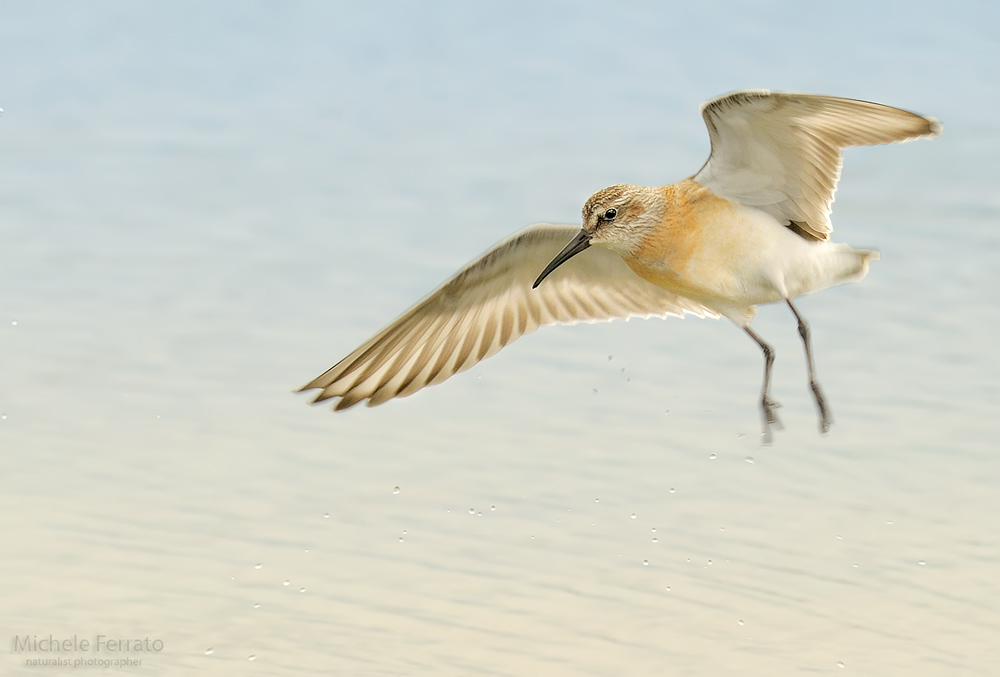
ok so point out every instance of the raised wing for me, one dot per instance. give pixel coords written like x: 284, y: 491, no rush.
x: 780, y: 151
x: 489, y: 304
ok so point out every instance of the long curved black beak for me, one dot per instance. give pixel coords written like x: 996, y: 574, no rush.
x: 577, y: 245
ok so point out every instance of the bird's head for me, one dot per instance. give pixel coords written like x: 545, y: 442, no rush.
x: 619, y: 218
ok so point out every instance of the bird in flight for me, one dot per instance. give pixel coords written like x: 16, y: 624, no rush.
x: 752, y: 226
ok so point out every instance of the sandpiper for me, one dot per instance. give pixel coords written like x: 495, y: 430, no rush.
x: 751, y: 226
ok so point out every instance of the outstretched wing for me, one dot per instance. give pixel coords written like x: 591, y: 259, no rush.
x: 780, y: 151
x: 489, y: 304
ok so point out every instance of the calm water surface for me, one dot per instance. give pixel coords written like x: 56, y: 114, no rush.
x: 205, y: 207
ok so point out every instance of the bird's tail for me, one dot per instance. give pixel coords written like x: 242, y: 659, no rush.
x: 855, y: 263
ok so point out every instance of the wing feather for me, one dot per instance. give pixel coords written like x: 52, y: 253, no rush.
x: 488, y: 305
x: 781, y: 151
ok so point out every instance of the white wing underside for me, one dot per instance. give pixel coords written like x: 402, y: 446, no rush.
x: 489, y: 304
x: 780, y: 152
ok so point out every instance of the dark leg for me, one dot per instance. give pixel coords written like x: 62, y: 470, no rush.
x: 824, y: 414
x: 767, y: 405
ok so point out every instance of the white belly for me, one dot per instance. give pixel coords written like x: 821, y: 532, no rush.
x: 750, y: 258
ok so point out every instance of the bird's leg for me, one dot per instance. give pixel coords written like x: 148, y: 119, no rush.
x: 824, y: 414
x: 767, y: 405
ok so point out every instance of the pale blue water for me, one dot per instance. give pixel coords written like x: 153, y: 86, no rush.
x: 204, y: 207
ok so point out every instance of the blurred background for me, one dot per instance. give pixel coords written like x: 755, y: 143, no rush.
x: 203, y: 206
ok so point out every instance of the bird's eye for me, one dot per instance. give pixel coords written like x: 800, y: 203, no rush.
x: 610, y: 214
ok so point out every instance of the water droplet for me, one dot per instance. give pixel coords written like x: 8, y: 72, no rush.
x: 287, y: 582
x: 326, y: 515
x: 749, y: 459
x: 922, y: 563
x: 532, y: 538
x: 594, y: 392
x: 740, y: 622
x: 645, y: 562
x: 629, y: 379
x: 740, y: 436
x: 307, y: 549
x: 666, y: 412
x: 404, y: 531
x: 208, y: 651
x: 302, y: 589
x: 597, y: 500
x: 256, y: 606
x: 609, y: 357
x: 855, y: 566
x: 400, y: 539
x: 668, y: 588
x: 889, y: 523
x: 709, y: 562
x: 722, y: 528
x: 839, y: 538
x: 395, y: 490
x: 633, y: 515
x: 839, y: 664
x: 712, y: 456
x: 252, y: 657
x: 654, y: 530
x: 157, y: 416
x: 672, y: 490
x: 3, y: 417
x: 472, y: 511
x: 14, y: 322
x: 492, y: 508
x: 656, y: 540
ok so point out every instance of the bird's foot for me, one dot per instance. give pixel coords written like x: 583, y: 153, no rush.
x: 769, y: 405
x: 771, y: 421
x: 824, y: 414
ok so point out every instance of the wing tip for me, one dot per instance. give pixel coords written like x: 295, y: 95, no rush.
x: 934, y: 126
x: 321, y: 396
x: 345, y: 400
